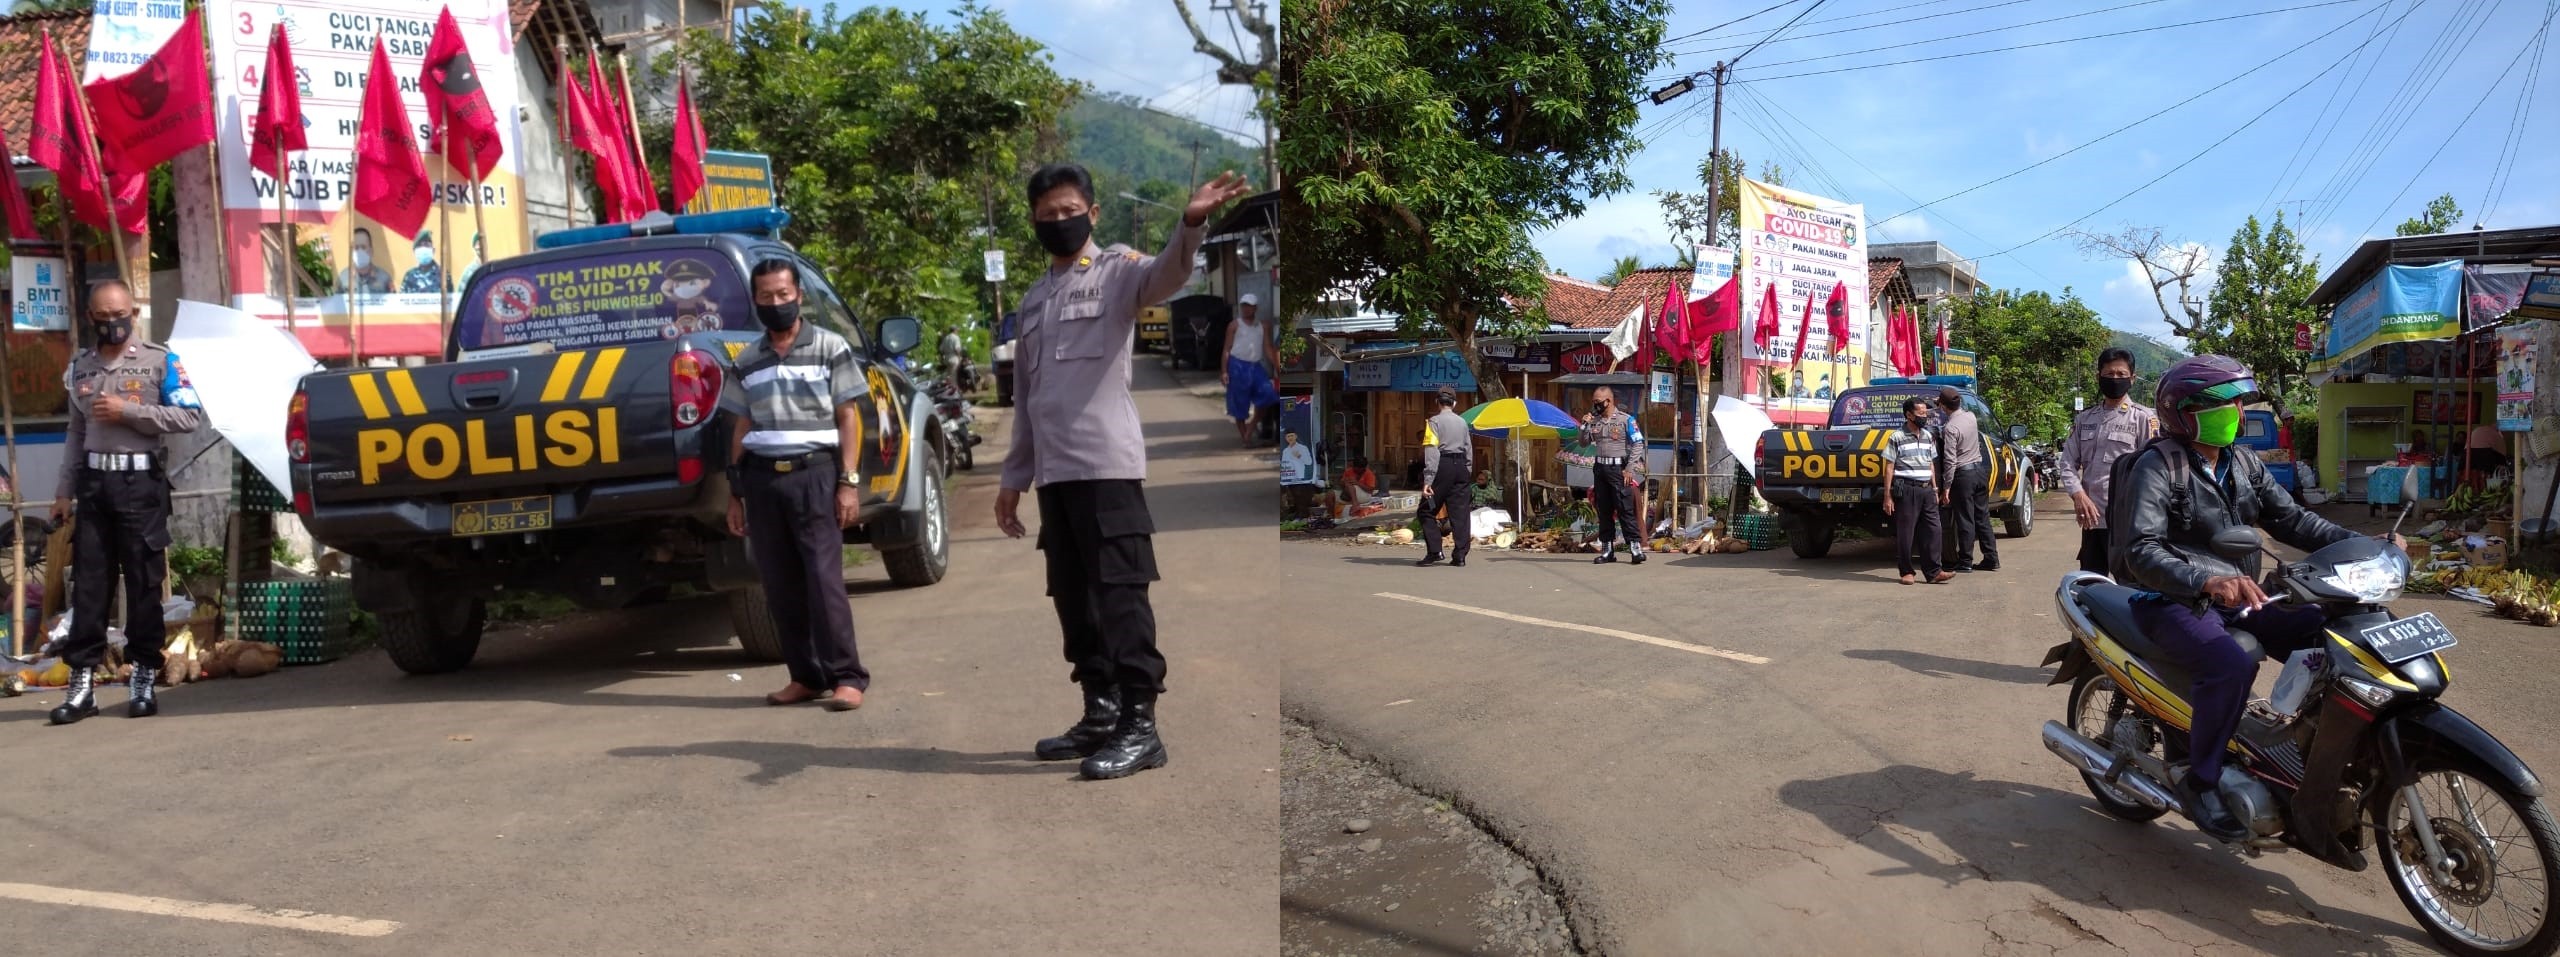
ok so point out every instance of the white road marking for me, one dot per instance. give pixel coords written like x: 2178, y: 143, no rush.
x: 225, y: 913
x: 1591, y: 629
x: 1399, y: 701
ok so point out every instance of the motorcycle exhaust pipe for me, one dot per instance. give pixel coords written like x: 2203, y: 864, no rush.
x: 2078, y: 751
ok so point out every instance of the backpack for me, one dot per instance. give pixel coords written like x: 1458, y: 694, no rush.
x: 2120, y: 505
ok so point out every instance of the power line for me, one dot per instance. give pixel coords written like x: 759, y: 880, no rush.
x: 2200, y: 94
x: 2393, y: 118
x: 2447, y: 140
x: 2289, y: 177
x: 2499, y: 176
x: 1888, y: 11
x: 1773, y: 34
x: 1725, y: 24
x: 2047, y: 43
x: 1907, y: 21
x: 1961, y: 36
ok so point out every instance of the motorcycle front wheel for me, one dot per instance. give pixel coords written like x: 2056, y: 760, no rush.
x: 2101, y: 712
x: 2497, y: 895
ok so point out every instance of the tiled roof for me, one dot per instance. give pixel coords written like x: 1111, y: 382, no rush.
x: 1644, y: 287
x: 1568, y: 299
x: 21, y: 52
x: 1880, y: 272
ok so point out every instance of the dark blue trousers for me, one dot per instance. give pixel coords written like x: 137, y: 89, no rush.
x: 2199, y: 640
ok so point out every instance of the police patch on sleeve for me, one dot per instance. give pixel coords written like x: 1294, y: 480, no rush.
x: 176, y: 389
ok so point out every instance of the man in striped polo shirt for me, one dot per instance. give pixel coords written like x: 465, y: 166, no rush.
x: 1912, y: 453
x: 792, y: 492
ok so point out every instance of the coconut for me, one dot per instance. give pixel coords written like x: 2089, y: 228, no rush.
x: 1402, y: 536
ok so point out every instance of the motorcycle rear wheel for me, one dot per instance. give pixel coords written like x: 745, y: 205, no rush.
x: 2097, y: 709
x: 2506, y: 853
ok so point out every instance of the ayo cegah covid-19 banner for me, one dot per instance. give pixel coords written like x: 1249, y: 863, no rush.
x: 1805, y: 246
x: 386, y: 290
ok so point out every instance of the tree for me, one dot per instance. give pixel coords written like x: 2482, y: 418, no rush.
x: 1253, y: 18
x: 891, y: 138
x: 2164, y: 263
x: 2033, y: 352
x: 1424, y: 142
x: 2259, y: 294
x: 2441, y: 216
x: 1620, y: 270
x: 1686, y: 213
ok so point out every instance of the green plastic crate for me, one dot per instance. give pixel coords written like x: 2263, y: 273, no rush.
x: 1758, y: 531
x: 252, y: 492
x: 310, y: 619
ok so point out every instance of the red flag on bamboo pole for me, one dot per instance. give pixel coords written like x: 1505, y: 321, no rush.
x: 456, y: 105
x: 1764, y: 327
x: 391, y: 175
x: 684, y: 168
x: 1804, y: 331
x: 641, y: 190
x: 591, y: 129
x: 22, y: 220
x: 278, y: 128
x: 161, y: 109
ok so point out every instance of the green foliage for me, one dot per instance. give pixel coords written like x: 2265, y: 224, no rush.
x: 1620, y: 270
x: 2441, y: 216
x: 2259, y: 295
x: 526, y: 605
x: 283, y: 554
x: 194, y: 561
x: 894, y: 141
x: 1686, y: 213
x: 2035, y: 352
x: 1130, y: 149
x: 1424, y: 142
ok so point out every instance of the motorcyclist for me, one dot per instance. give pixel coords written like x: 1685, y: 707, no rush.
x: 2195, y: 595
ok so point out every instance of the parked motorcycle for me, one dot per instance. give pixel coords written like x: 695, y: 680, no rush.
x: 951, y: 408
x: 2352, y: 753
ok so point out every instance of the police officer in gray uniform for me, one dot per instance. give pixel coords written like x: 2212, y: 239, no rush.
x: 1448, y: 479
x: 1076, y: 439
x: 1615, y: 440
x: 125, y: 395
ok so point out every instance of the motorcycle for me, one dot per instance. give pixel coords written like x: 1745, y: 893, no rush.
x: 951, y: 409
x: 2353, y: 745
x: 2044, y: 468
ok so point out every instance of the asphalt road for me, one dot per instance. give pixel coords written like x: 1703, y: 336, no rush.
x: 1876, y: 786
x: 602, y: 785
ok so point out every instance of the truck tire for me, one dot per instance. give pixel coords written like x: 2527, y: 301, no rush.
x: 923, y: 563
x: 753, y: 619
x: 2019, y: 519
x: 435, y: 637
x: 1812, y: 538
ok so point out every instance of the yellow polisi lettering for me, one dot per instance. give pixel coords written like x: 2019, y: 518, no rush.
x: 570, y: 446
x: 565, y: 439
x: 374, y: 449
x: 476, y: 439
x: 443, y: 460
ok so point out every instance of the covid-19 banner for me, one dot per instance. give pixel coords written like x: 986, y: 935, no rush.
x: 386, y: 291
x: 1813, y: 250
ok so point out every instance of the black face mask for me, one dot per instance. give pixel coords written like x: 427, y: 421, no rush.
x: 1064, y: 237
x: 1916, y: 423
x: 2115, y: 388
x: 113, y: 333
x: 1600, y: 408
x: 779, y: 317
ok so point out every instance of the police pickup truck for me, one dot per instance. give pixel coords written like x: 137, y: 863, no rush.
x: 571, y: 441
x: 1821, y: 480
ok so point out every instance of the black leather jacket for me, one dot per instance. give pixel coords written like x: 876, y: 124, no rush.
x: 2177, y: 561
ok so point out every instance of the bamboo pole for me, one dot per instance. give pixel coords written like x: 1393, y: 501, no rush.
x: 631, y: 115
x: 17, y: 500
x: 444, y: 229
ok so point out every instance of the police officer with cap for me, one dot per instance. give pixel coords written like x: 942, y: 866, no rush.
x: 125, y: 395
x: 1448, y: 480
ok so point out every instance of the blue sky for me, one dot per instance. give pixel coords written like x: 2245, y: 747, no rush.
x: 1897, y: 136
x: 1134, y: 47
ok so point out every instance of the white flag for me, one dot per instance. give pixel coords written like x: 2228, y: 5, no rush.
x: 1622, y: 341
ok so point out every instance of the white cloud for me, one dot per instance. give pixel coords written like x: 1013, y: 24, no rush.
x: 1911, y: 228
x: 2041, y: 147
x: 2126, y: 300
x: 1629, y: 224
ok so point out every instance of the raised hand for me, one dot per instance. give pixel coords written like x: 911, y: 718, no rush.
x: 1215, y: 193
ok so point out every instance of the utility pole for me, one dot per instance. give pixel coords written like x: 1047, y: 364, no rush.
x: 1196, y: 146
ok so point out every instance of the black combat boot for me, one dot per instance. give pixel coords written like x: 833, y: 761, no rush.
x: 1101, y: 715
x: 80, y: 700
x: 1133, y: 746
x: 146, y: 693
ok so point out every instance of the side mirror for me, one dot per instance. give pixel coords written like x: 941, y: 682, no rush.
x: 2017, y: 433
x: 899, y: 335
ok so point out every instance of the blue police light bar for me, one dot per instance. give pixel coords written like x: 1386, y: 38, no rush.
x: 1959, y: 381
x: 765, y: 221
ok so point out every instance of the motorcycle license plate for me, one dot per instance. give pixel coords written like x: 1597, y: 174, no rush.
x: 1830, y: 495
x: 2412, y: 637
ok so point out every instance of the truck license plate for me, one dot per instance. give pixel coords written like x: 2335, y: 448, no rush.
x: 502, y: 516
x: 2408, y: 638
x: 1852, y: 495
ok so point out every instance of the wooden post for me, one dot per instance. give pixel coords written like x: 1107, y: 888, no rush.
x: 444, y: 229
x: 287, y: 247
x: 631, y: 107
x: 17, y: 503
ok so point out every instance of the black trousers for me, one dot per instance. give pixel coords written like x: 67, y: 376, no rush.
x: 799, y: 553
x: 1616, y: 506
x: 1453, y: 486
x: 1099, y: 539
x: 1915, y: 527
x: 120, y: 530
x: 2093, y: 550
x: 1969, y: 508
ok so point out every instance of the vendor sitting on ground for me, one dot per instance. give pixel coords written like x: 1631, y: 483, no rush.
x: 1359, y: 485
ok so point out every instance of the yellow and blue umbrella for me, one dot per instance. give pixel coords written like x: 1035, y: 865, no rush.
x: 1520, y: 419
